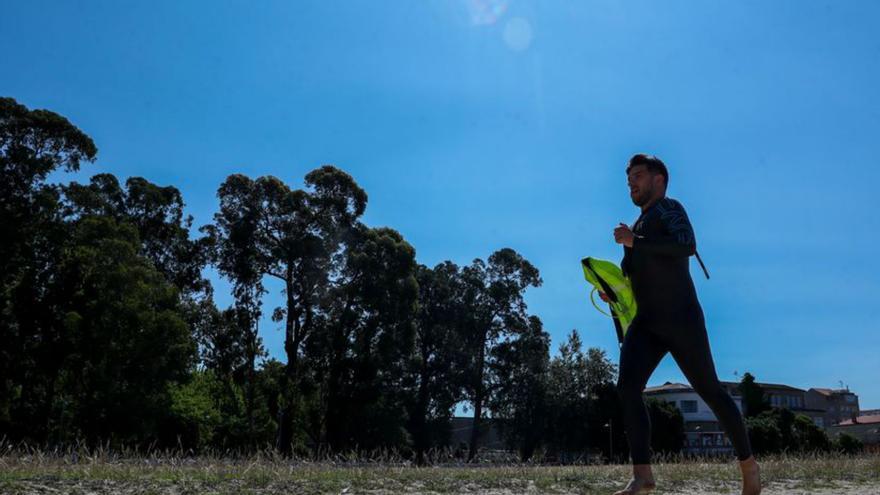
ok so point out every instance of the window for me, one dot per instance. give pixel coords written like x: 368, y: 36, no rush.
x: 850, y: 398
x: 688, y: 406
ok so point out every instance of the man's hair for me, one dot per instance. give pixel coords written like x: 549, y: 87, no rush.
x: 652, y: 163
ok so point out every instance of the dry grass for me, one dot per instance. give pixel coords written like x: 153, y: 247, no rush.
x: 98, y: 471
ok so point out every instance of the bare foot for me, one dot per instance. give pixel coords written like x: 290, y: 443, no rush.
x: 751, y: 476
x: 637, y: 486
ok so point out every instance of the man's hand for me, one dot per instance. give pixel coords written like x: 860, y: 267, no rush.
x: 623, y: 235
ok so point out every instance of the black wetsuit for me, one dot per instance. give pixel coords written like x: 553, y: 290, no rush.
x: 669, y: 319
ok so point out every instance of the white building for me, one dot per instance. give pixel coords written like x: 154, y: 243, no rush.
x: 703, y: 433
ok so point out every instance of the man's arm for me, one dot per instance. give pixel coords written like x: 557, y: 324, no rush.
x: 679, y: 240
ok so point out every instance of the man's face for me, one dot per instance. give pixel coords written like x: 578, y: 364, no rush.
x: 643, y: 184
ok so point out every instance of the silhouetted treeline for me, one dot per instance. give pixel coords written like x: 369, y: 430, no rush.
x: 110, y: 332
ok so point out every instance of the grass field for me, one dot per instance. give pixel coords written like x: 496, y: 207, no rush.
x: 38, y: 472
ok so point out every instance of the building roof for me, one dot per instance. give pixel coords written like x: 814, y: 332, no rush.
x: 828, y: 392
x: 669, y: 387
x: 768, y: 385
x: 682, y: 387
x: 861, y: 420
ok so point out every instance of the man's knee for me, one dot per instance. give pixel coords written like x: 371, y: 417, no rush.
x: 627, y: 388
x: 713, y: 393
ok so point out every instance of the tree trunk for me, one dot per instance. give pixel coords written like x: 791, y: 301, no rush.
x: 251, y: 377
x: 478, y: 404
x: 421, y: 423
x: 289, y: 378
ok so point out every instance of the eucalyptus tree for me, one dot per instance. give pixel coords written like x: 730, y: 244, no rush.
x: 519, y: 372
x: 440, y: 359
x: 580, y: 398
x: 494, y: 309
x: 157, y: 212
x: 266, y: 229
x: 33, y: 144
x: 365, y: 342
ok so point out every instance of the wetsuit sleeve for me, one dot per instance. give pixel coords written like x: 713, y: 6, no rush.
x: 679, y: 238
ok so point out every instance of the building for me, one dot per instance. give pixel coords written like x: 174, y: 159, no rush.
x: 785, y: 397
x: 462, y: 427
x: 838, y: 404
x: 703, y: 433
x: 866, y: 428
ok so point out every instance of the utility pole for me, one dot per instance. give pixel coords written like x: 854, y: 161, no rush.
x: 610, y: 426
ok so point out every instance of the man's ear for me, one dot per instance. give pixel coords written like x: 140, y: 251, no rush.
x: 658, y: 181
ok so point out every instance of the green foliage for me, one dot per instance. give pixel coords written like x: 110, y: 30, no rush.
x: 583, y: 410
x: 437, y: 367
x: 764, y: 434
x: 129, y: 339
x: 194, y: 411
x: 265, y: 229
x: 33, y: 144
x: 493, y: 309
x: 848, y: 444
x: 518, y: 370
x: 778, y: 430
x: 363, y: 349
x: 667, y: 427
x: 809, y: 437
x: 753, y: 398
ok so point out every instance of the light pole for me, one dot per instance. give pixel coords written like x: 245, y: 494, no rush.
x: 610, y: 427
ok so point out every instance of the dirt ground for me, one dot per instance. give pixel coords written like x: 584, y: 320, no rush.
x: 134, y: 487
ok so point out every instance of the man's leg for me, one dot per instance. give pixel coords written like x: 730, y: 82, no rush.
x: 690, y: 348
x: 640, y: 354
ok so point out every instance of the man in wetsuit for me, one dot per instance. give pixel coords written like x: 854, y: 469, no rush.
x: 668, y: 319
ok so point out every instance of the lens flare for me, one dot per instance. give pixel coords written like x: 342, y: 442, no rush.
x: 518, y: 34
x: 486, y: 11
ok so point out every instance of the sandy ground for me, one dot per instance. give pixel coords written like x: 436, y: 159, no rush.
x: 102, y: 487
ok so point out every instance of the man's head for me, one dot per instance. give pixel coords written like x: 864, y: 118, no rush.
x: 647, y: 178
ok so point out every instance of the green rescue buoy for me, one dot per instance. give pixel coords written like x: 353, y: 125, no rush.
x: 607, y: 277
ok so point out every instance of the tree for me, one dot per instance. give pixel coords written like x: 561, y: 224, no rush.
x: 667, y: 427
x: 808, y: 436
x: 764, y: 434
x: 753, y: 398
x: 33, y: 144
x: 367, y: 337
x: 266, y: 229
x: 518, y: 371
x: 157, y: 214
x: 127, y: 339
x: 779, y: 429
x: 848, y: 444
x: 494, y: 308
x: 436, y: 366
x: 583, y: 408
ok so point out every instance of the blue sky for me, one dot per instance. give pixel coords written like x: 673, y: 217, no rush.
x: 475, y: 125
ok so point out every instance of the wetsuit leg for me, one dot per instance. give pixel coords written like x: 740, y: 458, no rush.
x: 640, y: 354
x: 690, y: 348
